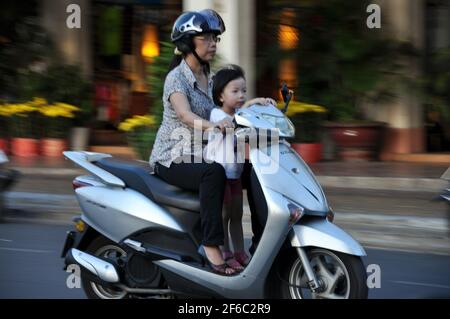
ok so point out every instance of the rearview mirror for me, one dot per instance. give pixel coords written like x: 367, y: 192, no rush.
x: 287, y: 96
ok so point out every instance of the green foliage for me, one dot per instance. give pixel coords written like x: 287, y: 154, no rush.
x: 61, y: 83
x: 140, y: 139
x: 25, y: 44
x: 25, y: 126
x: 308, y: 127
x: 437, y: 85
x: 156, y: 74
x: 141, y: 130
x: 55, y: 127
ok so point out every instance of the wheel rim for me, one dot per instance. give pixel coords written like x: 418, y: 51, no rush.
x: 329, y: 270
x: 109, y: 251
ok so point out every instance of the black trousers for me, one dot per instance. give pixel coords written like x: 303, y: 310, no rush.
x: 209, y: 181
x: 256, y: 202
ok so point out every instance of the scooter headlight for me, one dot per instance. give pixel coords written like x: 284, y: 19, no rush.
x: 282, y: 123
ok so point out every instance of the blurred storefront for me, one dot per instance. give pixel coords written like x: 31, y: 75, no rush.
x: 425, y: 24
x: 118, y: 37
x: 418, y: 125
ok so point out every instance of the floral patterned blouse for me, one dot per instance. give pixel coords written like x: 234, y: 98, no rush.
x: 170, y: 142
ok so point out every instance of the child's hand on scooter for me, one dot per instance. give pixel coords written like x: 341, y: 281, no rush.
x: 260, y: 100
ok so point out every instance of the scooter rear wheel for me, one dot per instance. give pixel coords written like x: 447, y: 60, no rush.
x: 102, y: 247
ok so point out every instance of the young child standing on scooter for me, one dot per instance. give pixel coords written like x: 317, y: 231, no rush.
x: 229, y: 94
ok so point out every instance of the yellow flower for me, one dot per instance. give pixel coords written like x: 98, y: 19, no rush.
x: 5, y: 110
x: 38, y: 101
x: 137, y: 121
x: 296, y: 107
x: 39, y: 105
x: 124, y: 126
x: 67, y: 107
x: 58, y: 110
x: 17, y: 109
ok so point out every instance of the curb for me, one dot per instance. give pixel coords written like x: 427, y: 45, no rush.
x: 40, y: 171
x: 384, y: 183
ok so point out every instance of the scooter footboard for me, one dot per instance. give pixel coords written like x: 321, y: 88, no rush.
x: 321, y: 233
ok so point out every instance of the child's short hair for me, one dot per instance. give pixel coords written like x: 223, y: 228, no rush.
x: 223, y: 77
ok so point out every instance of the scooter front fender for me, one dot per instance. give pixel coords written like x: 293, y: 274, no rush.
x: 321, y: 233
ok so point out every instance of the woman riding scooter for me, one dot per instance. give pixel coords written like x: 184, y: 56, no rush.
x: 187, y: 98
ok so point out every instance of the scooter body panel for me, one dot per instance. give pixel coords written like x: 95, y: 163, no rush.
x: 283, y: 170
x: 323, y: 234
x: 116, y: 212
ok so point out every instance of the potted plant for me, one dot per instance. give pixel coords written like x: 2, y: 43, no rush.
x: 307, y: 119
x: 141, y: 132
x: 65, y: 84
x: 56, y: 121
x: 23, y: 126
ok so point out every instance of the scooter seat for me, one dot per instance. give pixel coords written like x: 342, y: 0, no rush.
x: 138, y: 176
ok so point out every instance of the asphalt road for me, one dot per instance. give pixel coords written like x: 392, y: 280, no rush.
x: 30, y: 267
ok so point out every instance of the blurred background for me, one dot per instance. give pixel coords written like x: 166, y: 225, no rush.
x: 394, y: 78
x: 371, y: 109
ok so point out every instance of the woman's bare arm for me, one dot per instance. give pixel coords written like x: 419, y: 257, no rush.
x: 182, y: 107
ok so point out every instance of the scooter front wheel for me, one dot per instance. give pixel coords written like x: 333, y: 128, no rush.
x: 340, y: 276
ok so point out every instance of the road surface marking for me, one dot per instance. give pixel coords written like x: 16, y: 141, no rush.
x: 421, y: 284
x: 27, y: 250
x: 6, y: 240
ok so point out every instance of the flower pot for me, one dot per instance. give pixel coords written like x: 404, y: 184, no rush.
x: 4, y: 145
x: 25, y: 147
x: 53, y: 147
x: 357, y: 142
x: 310, y: 152
x: 79, y: 138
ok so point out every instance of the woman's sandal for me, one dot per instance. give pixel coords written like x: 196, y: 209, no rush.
x: 231, y: 261
x: 242, y: 258
x: 222, y: 269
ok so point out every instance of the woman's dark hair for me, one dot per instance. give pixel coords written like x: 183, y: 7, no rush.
x: 176, y: 60
x: 223, y: 77
x: 185, y: 46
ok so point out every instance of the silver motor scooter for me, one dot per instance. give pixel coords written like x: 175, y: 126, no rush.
x: 138, y: 236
